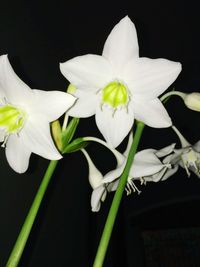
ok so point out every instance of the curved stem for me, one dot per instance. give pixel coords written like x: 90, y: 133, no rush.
x: 103, y: 245
x: 119, y: 157
x: 178, y: 93
x: 27, y: 226
x: 184, y: 142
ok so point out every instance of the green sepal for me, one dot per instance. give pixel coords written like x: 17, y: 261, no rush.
x: 75, y: 145
x: 56, y: 133
x: 68, y: 133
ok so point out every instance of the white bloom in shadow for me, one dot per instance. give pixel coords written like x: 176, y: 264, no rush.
x: 25, y: 115
x: 188, y: 157
x: 120, y: 86
x: 147, y: 167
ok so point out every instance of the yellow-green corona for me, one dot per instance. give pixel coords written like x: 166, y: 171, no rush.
x: 115, y: 94
x: 11, y: 118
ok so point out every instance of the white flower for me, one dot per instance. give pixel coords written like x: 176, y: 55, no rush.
x: 188, y: 157
x: 119, y: 86
x: 25, y: 115
x: 146, y: 167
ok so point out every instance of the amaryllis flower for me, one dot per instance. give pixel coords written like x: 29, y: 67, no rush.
x: 188, y: 157
x: 120, y: 86
x: 148, y: 166
x: 25, y: 115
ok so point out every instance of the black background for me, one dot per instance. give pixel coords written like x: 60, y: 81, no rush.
x: 37, y: 35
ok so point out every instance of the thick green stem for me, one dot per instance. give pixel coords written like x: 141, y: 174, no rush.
x: 27, y: 226
x: 105, y: 238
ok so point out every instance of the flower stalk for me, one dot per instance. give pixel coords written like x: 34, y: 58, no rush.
x: 17, y: 251
x: 106, y: 235
x: 168, y: 94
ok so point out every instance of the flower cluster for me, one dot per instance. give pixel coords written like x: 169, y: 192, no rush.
x: 149, y: 165
x: 118, y: 87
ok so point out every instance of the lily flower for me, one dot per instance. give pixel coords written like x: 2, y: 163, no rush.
x: 147, y: 166
x: 188, y: 157
x: 25, y: 117
x: 120, y: 86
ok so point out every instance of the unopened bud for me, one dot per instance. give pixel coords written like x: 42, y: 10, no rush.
x: 192, y: 101
x: 71, y: 89
x: 56, y: 133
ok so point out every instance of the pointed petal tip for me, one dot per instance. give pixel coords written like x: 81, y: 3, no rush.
x: 61, y: 64
x: 4, y: 57
x: 126, y: 19
x: 178, y: 67
x: 114, y: 128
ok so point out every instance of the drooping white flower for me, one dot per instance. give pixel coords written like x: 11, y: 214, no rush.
x: 147, y: 166
x: 119, y: 86
x: 25, y: 115
x: 188, y: 157
x: 95, y: 177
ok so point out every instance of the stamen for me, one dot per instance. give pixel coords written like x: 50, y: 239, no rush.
x: 131, y: 187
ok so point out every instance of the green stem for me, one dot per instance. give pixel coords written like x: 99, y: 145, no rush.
x: 27, y: 226
x: 103, y: 245
x: 178, y: 93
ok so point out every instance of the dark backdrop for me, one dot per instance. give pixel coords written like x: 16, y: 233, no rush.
x: 38, y: 35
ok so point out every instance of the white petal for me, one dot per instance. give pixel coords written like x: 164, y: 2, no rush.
x: 145, y: 163
x: 113, y: 186
x: 114, y: 126
x: 170, y: 172
x: 173, y: 158
x: 155, y: 177
x: 150, y: 77
x: 114, y: 174
x: 85, y: 105
x: 152, y: 113
x: 196, y: 146
x: 17, y: 154
x: 95, y: 176
x: 11, y: 86
x: 165, y: 151
x: 96, y: 198
x: 36, y: 136
x: 121, y: 44
x: 2, y: 135
x: 51, y: 104
x: 90, y: 72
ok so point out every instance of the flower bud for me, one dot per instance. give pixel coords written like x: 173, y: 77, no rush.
x: 71, y: 89
x: 192, y: 101
x: 56, y: 133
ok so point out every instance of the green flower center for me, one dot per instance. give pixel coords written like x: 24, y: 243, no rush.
x: 115, y: 94
x: 11, y: 118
